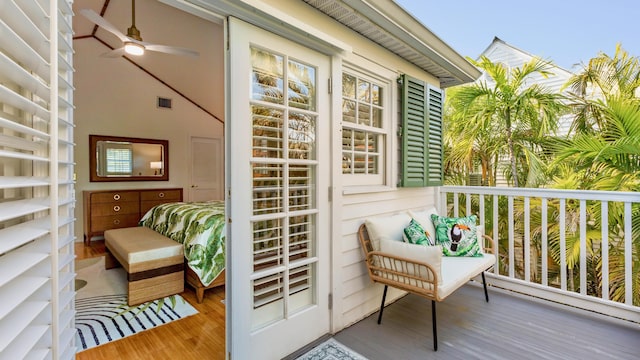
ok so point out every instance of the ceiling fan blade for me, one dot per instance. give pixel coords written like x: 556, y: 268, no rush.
x: 174, y: 50
x: 100, y: 21
x: 114, y: 53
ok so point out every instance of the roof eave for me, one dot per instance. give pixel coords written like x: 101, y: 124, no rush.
x: 393, y: 28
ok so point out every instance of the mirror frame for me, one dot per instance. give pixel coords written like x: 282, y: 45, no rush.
x: 93, y: 173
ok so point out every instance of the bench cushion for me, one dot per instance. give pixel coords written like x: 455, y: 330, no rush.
x: 386, y: 228
x: 141, y: 244
x: 456, y: 271
x: 431, y: 255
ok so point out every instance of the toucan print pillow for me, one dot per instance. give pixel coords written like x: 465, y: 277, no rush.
x: 457, y: 235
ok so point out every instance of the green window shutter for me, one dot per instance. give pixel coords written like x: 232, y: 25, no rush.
x: 435, y: 163
x: 421, y: 133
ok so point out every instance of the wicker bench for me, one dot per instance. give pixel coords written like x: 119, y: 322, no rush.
x: 153, y: 262
x: 425, y: 273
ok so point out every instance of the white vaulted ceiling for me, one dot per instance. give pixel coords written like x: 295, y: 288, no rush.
x: 162, y: 24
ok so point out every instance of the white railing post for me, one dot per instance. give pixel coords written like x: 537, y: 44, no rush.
x: 628, y: 263
x: 496, y: 248
x: 544, y: 240
x: 604, y: 220
x: 527, y: 240
x: 563, y: 245
x: 583, y: 247
x: 481, y: 212
x: 512, y: 258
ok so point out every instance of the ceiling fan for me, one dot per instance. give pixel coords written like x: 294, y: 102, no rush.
x: 133, y: 44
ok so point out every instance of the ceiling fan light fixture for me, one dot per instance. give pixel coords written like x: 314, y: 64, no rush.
x: 132, y: 48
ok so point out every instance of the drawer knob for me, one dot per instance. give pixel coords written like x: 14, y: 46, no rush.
x: 116, y: 197
x: 161, y: 195
x: 116, y: 208
x: 116, y: 222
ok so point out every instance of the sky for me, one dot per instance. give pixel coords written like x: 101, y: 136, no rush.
x: 566, y: 32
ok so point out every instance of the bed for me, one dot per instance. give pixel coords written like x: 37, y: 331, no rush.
x: 200, y: 227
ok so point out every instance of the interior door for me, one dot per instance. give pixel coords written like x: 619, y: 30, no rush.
x: 279, y: 179
x: 207, y: 169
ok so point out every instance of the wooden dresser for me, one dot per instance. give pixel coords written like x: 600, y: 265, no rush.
x: 112, y: 209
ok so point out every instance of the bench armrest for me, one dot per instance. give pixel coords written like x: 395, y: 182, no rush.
x: 487, y: 241
x: 406, y: 274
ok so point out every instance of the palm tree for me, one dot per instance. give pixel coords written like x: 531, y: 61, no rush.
x: 603, y: 77
x: 511, y: 116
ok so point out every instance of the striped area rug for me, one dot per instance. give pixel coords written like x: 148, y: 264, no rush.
x: 102, y: 314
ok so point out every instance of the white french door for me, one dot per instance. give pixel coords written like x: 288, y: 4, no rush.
x: 279, y: 159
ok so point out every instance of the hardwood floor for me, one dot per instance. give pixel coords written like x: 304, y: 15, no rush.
x: 200, y: 336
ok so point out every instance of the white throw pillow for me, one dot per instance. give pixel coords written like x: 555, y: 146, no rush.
x: 424, y: 218
x: 431, y: 255
x: 386, y: 228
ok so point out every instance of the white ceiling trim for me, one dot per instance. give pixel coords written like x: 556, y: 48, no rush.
x: 418, y: 46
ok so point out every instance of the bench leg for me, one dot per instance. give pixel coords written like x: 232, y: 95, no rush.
x: 384, y: 296
x: 110, y: 261
x: 435, y: 328
x: 484, y: 284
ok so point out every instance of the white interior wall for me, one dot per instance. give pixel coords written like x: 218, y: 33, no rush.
x: 115, y: 97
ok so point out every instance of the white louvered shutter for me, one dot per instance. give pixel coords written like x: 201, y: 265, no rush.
x: 36, y: 180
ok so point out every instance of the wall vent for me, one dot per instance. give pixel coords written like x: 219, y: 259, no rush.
x: 164, y: 103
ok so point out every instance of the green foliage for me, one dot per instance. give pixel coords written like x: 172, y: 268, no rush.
x: 511, y: 117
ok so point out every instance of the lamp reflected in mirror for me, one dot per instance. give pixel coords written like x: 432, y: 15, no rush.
x: 156, y: 166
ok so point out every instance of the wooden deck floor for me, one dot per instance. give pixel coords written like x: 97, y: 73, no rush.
x: 508, y: 327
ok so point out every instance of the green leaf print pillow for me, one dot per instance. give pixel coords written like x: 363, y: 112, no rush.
x: 457, y: 235
x: 414, y: 233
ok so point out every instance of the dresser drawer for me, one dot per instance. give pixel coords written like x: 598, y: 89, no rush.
x: 114, y: 208
x: 161, y: 195
x: 102, y: 223
x: 115, y: 196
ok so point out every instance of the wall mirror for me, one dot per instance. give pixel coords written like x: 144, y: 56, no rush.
x: 116, y: 158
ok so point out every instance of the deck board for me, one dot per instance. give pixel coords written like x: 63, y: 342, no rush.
x: 510, y: 326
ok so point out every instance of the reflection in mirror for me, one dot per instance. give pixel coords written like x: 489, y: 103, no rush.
x: 128, y: 159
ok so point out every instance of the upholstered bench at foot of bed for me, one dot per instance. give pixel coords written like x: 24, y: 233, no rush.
x: 153, y: 262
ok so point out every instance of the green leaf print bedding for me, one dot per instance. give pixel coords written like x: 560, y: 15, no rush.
x: 200, y: 227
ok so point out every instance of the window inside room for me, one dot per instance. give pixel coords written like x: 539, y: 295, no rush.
x: 119, y: 161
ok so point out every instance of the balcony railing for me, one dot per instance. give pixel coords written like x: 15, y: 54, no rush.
x: 552, y: 244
